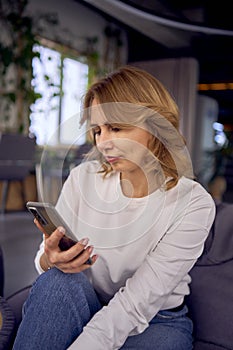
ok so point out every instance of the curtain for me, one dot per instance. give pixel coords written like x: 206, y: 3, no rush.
x: 180, y: 77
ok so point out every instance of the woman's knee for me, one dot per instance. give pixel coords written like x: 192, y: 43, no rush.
x: 57, y: 286
x: 57, y: 279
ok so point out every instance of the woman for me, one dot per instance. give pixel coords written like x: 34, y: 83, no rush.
x: 143, y: 221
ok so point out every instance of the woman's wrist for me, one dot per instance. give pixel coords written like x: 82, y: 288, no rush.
x: 44, y: 263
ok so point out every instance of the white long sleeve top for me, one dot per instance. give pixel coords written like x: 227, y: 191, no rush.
x: 146, y: 248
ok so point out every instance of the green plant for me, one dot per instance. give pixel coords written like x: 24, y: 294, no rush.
x: 18, y: 37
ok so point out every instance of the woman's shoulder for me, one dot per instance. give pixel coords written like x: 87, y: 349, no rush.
x: 197, y: 191
x: 193, y: 184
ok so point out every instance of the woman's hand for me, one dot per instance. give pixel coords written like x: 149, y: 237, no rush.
x: 72, y: 260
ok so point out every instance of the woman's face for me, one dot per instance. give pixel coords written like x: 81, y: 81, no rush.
x: 124, y: 148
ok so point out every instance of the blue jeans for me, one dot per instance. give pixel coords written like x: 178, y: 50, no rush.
x: 60, y: 305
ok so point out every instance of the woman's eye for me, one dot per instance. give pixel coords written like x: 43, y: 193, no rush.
x: 96, y: 132
x: 115, y: 129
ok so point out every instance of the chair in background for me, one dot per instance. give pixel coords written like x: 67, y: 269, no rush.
x: 53, y: 170
x: 17, y: 153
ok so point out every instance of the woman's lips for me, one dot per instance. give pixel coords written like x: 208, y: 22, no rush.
x: 112, y: 159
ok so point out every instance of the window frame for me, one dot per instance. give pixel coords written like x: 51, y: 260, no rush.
x: 65, y: 52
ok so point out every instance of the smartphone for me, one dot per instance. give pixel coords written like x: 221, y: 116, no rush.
x: 50, y: 219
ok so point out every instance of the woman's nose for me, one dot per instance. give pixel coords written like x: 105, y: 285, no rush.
x: 104, y: 141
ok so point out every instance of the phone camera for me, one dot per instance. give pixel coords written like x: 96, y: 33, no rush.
x: 38, y: 216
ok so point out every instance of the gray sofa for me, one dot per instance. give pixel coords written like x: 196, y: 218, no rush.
x: 211, y: 299
x: 10, y: 310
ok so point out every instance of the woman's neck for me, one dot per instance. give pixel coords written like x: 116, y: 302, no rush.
x: 138, y: 185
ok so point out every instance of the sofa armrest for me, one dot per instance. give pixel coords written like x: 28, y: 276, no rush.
x: 16, y: 301
x: 1, y: 272
x: 7, y: 325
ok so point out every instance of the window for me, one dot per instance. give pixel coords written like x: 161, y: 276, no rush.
x: 62, y: 82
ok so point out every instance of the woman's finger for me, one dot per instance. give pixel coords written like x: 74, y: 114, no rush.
x: 74, y: 265
x: 40, y: 227
x: 52, y: 241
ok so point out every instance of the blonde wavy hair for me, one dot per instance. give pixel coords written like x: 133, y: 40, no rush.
x: 153, y: 107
